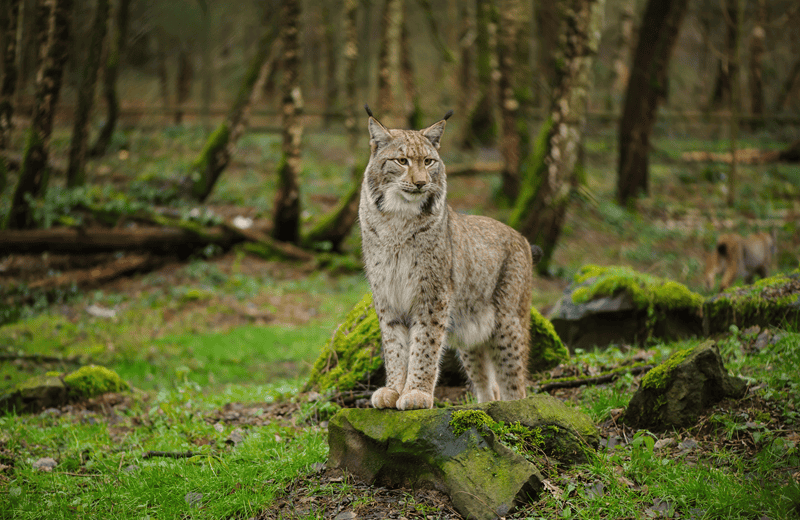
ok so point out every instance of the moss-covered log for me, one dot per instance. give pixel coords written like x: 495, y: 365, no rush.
x: 773, y: 301
x: 352, y: 359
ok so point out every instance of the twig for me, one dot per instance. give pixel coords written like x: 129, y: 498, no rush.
x: 170, y: 454
x: 605, y: 378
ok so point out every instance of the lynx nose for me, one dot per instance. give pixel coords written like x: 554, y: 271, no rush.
x: 420, y: 184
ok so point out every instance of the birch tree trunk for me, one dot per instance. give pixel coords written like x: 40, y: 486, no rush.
x: 54, y: 17
x: 76, y: 167
x: 221, y: 144
x: 646, y: 88
x: 286, y: 221
x: 510, y: 18
x: 116, y: 49
x: 555, y: 167
x: 8, y: 82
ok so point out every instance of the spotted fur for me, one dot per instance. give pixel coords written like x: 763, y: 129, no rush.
x: 439, y: 278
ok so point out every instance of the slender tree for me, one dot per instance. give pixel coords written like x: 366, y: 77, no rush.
x: 76, y: 168
x: 8, y: 80
x: 334, y: 227
x: 286, y: 221
x: 481, y: 126
x: 115, y: 52
x: 332, y: 103
x: 646, y: 88
x: 546, y: 20
x: 221, y: 145
x: 413, y: 109
x: 183, y: 82
x: 510, y: 19
x: 466, y: 61
x: 54, y: 18
x: 555, y: 168
x: 756, y: 68
x: 389, y: 59
x: 727, y: 67
x: 161, y: 71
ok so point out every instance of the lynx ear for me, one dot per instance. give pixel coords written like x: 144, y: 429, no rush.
x: 434, y: 132
x: 378, y: 134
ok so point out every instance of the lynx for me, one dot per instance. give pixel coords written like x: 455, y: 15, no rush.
x: 737, y: 256
x: 439, y: 278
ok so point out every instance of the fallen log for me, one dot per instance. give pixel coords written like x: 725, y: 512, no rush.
x: 99, y: 274
x: 790, y: 154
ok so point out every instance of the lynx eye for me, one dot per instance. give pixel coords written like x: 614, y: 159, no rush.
x: 402, y: 161
x: 429, y: 161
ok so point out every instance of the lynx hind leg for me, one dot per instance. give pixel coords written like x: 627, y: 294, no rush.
x: 480, y: 372
x: 509, y: 355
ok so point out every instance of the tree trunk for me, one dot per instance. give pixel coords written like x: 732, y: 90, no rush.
x: 334, y: 227
x: 54, y: 16
x: 756, y: 72
x: 413, y: 110
x: 221, y: 145
x: 511, y: 17
x: 556, y: 167
x: 547, y: 16
x: 481, y: 127
x: 646, y: 87
x: 183, y: 82
x: 161, y: 70
x: 116, y: 50
x: 8, y: 82
x: 727, y: 69
x: 389, y: 60
x: 76, y: 168
x: 622, y: 52
x: 207, y: 67
x: 466, y: 46
x: 331, y: 65
x: 735, y: 101
x: 287, y: 198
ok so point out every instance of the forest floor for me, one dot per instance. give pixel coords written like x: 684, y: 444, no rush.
x: 218, y: 344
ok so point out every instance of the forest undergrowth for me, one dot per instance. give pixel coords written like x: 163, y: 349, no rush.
x: 218, y: 344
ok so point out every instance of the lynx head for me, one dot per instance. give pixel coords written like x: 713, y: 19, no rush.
x: 405, y: 174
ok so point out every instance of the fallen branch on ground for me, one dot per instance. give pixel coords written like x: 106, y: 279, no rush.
x: 597, y: 380
x: 170, y: 454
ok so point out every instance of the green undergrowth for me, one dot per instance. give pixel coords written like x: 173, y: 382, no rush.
x: 102, y: 470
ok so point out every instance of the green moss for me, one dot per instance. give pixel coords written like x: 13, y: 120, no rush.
x: 520, y: 439
x: 658, y: 376
x: 93, y: 380
x: 532, y: 171
x: 645, y: 290
x: 773, y: 300
x: 353, y: 352
x: 547, y: 350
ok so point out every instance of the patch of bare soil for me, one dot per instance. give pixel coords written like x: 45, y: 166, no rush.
x: 331, y: 495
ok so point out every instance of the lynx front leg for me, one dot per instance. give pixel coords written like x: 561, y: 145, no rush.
x: 509, y: 355
x: 395, y: 360
x: 426, y: 341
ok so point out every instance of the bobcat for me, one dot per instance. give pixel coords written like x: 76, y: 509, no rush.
x: 740, y: 256
x: 438, y: 277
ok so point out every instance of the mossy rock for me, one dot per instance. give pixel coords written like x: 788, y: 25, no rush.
x: 616, y: 304
x: 55, y: 389
x: 486, y: 457
x: 675, y: 393
x: 773, y: 301
x: 352, y: 358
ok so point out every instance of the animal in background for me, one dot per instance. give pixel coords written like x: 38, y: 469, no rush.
x: 740, y: 257
x: 440, y: 278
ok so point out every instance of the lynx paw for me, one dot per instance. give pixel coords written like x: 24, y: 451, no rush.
x: 384, y: 398
x: 415, y: 400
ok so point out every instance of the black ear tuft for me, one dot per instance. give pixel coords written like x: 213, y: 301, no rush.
x: 369, y: 112
x: 447, y: 115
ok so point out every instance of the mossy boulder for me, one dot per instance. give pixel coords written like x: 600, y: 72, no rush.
x: 616, y: 304
x: 55, y: 389
x: 486, y: 457
x: 352, y: 358
x: 773, y: 301
x: 679, y: 390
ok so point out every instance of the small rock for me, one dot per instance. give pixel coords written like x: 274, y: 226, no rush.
x: 347, y: 515
x: 130, y: 468
x: 45, y: 464
x: 101, y: 312
x: 663, y: 443
x: 236, y: 437
x: 193, y: 498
